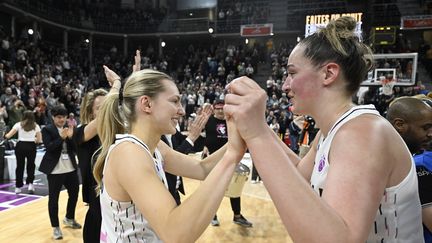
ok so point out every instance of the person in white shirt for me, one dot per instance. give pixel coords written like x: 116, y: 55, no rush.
x: 29, y: 133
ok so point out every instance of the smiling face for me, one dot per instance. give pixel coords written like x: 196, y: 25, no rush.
x: 167, y: 108
x: 303, y: 82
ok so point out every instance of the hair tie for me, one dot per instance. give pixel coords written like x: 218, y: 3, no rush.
x: 121, y: 94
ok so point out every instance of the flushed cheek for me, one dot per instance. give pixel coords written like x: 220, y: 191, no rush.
x: 303, y: 88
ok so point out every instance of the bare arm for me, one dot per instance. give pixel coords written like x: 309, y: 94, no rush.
x: 38, y: 137
x: 184, y: 165
x: 345, y: 212
x: 344, y: 215
x: 427, y: 217
x: 90, y: 130
x: 305, y: 165
x: 114, y: 81
x: 11, y: 133
x: 136, y: 175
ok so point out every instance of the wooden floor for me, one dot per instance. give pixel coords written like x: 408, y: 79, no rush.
x: 30, y: 222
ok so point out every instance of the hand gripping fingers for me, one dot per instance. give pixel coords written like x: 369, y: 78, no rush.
x: 242, y: 86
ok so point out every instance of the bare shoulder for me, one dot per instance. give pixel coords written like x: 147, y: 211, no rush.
x: 364, y: 162
x: 371, y: 143
x: 128, y: 162
x: 129, y: 155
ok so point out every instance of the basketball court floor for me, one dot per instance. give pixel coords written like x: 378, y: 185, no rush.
x: 24, y: 218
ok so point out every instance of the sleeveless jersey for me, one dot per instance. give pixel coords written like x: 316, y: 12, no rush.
x: 122, y: 221
x: 398, y: 218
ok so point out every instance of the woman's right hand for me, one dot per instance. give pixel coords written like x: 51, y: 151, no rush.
x: 245, y: 104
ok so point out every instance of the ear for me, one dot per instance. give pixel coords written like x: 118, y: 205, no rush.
x: 145, y: 104
x: 400, y: 125
x: 331, y: 73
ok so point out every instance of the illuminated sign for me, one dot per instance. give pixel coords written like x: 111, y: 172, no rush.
x: 384, y: 35
x: 314, y: 22
x: 256, y: 30
x: 416, y: 22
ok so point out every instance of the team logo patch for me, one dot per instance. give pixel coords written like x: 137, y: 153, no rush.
x: 321, y: 164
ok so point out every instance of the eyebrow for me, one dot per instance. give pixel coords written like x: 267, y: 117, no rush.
x: 290, y: 65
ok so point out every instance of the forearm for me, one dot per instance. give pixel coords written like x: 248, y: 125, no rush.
x: 115, y: 86
x: 296, y: 203
x: 210, y: 162
x: 189, y: 220
x: 10, y: 134
x: 90, y: 130
x: 427, y: 217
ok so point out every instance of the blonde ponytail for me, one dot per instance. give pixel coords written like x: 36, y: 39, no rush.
x: 114, y: 118
x: 109, y: 124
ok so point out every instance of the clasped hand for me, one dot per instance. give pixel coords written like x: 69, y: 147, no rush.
x: 245, y: 105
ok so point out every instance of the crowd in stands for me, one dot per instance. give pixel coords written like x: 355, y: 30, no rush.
x: 103, y: 15
x: 110, y: 16
x: 232, y: 14
x: 39, y: 76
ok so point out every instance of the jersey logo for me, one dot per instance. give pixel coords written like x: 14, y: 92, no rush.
x: 321, y: 164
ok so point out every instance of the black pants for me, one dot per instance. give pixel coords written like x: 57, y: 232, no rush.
x: 255, y: 174
x: 87, y: 185
x: 93, y: 221
x: 55, y: 183
x: 235, y: 205
x: 25, y: 150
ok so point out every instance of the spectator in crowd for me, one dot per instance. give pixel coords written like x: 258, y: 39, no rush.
x: 412, y: 118
x: 28, y: 135
x: 71, y: 120
x: 16, y: 112
x: 3, y: 116
x: 327, y: 67
x: 60, y: 166
x: 87, y: 143
x: 216, y: 131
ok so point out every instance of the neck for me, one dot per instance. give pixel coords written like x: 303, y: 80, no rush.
x: 326, y: 117
x: 219, y: 117
x: 147, y: 135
